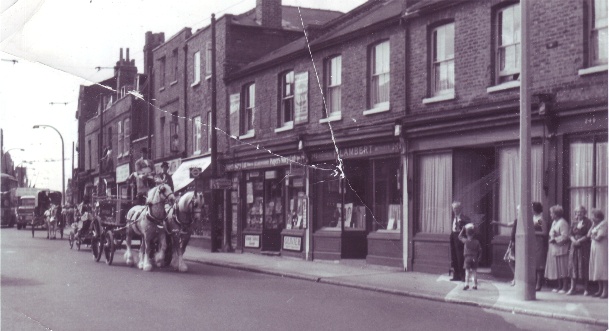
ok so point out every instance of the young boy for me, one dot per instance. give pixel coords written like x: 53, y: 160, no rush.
x: 472, y: 252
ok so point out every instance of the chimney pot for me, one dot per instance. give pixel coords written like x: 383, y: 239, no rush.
x: 121, y: 55
x: 127, y: 54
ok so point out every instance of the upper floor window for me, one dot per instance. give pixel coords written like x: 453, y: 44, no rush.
x: 208, y: 58
x: 174, y: 131
x: 119, y: 136
x: 174, y: 65
x: 333, y: 86
x: 379, y: 74
x: 286, y: 111
x: 443, y: 60
x: 508, y: 44
x: 162, y: 72
x: 598, y: 33
x: 196, y: 134
x: 249, y: 106
x: 126, y: 135
x: 196, y: 60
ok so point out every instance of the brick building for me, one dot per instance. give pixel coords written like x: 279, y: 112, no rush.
x: 291, y: 188
x: 462, y: 118
x: 182, y: 70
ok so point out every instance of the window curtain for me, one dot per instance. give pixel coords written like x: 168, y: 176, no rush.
x: 435, y: 185
x: 380, y: 79
x: 581, y: 175
x: 601, y: 176
x: 335, y: 85
x: 509, y: 183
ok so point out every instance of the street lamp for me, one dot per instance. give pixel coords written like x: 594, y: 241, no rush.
x: 63, y: 169
x: 4, y: 158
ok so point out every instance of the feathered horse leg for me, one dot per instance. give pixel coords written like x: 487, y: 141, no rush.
x: 159, y: 257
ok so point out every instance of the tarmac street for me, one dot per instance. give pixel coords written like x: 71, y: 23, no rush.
x: 47, y: 286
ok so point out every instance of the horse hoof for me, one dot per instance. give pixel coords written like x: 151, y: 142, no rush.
x: 148, y: 267
x: 183, y: 268
x: 140, y: 265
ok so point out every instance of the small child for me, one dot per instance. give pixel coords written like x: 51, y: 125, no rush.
x: 472, y: 252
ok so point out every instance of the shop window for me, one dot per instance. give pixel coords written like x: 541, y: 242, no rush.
x: 327, y: 190
x: 296, y: 213
x: 386, y: 196
x: 588, y: 174
x: 273, y: 200
x: 508, y: 44
x: 443, y: 60
x: 598, y: 33
x: 435, y: 193
x: 509, y: 183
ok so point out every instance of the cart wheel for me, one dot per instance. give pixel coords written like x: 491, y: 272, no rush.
x: 109, y: 247
x: 96, y: 248
x: 71, y: 240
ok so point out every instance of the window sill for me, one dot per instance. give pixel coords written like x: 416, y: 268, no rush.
x: 162, y: 88
x: 505, y: 86
x: 286, y: 126
x: 439, y: 98
x: 208, y: 77
x: 331, y: 118
x: 249, y: 134
x: 173, y: 83
x: 196, y: 152
x: 592, y: 70
x: 378, y: 108
x: 196, y: 83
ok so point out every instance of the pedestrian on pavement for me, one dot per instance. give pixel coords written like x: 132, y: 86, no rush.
x: 598, y: 252
x: 472, y: 253
x: 456, y: 246
x: 557, y: 262
x: 165, y: 176
x: 580, y: 249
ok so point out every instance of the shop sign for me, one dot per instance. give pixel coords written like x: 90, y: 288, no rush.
x: 265, y: 163
x: 292, y: 243
x: 221, y: 184
x: 252, y: 241
x: 122, y: 173
x: 301, y: 100
x: 358, y: 151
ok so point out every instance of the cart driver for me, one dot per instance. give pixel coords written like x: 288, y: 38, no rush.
x: 144, y: 176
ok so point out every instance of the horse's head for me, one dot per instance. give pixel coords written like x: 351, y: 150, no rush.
x: 160, y: 194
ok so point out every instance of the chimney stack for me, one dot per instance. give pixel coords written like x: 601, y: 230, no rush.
x: 269, y: 13
x: 120, y: 58
x: 127, y: 54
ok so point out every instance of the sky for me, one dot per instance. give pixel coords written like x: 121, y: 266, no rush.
x: 59, y: 43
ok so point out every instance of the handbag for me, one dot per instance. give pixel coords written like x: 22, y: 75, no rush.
x: 509, y: 253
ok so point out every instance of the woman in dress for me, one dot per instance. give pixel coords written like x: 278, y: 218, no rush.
x: 580, y: 249
x: 598, y: 252
x: 557, y: 262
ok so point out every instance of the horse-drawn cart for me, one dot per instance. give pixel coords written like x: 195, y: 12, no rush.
x: 47, y: 213
x: 112, y: 214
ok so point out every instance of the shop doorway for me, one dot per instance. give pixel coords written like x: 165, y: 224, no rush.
x: 474, y: 178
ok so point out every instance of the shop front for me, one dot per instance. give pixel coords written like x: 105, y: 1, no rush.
x: 357, y: 214
x: 268, y: 204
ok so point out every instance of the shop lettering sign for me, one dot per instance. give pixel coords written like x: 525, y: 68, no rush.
x: 301, y: 100
x: 122, y: 173
x: 252, y: 241
x: 292, y: 243
x: 265, y: 163
x: 358, y: 151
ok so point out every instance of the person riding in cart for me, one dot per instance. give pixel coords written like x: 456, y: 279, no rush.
x: 84, y: 216
x: 143, y: 177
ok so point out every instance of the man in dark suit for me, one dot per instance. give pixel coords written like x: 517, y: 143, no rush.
x: 459, y: 220
x: 165, y: 176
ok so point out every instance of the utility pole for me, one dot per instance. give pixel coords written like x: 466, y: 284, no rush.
x: 214, y: 152
x: 525, y: 271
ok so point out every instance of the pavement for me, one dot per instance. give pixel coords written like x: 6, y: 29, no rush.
x: 492, y: 293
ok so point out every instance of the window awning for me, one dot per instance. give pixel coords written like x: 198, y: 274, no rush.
x: 181, y: 178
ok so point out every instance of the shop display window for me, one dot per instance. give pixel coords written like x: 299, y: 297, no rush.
x: 326, y: 188
x: 297, y: 203
x: 387, y: 195
x: 357, y: 201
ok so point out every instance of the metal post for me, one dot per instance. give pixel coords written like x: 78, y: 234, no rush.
x: 214, y: 157
x: 525, y: 271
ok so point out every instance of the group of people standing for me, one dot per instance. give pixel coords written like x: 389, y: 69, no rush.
x: 567, y: 254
